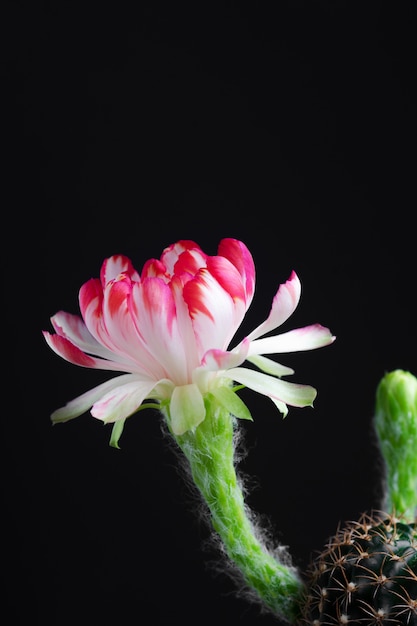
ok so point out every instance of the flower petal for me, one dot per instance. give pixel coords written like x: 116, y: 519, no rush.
x: 214, y: 360
x: 64, y: 348
x: 83, y: 403
x: 114, y: 266
x: 307, y: 338
x: 154, y: 311
x: 73, y: 328
x: 90, y: 299
x: 121, y: 401
x: 283, y: 306
x: 238, y: 254
x: 188, y: 264
x: 281, y: 406
x: 214, y: 313
x: 288, y: 393
x: 187, y: 408
x: 228, y: 277
x: 270, y: 367
x: 119, y: 321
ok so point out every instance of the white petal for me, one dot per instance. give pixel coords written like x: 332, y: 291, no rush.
x: 214, y: 360
x: 288, y: 393
x: 154, y: 313
x: 122, y: 401
x: 73, y: 328
x: 83, y: 403
x: 215, y: 314
x: 307, y: 338
x: 283, y: 306
x: 282, y: 408
x: 270, y: 367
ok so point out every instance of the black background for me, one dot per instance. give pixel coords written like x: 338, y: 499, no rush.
x: 292, y: 129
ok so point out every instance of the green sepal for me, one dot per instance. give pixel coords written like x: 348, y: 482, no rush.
x: 119, y: 425
x: 116, y: 433
x: 230, y: 401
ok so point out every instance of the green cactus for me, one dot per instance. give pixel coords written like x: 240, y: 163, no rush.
x: 396, y: 427
x: 367, y: 573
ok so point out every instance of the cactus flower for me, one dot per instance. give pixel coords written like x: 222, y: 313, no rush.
x: 168, y: 330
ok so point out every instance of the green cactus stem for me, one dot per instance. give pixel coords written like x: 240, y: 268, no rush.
x: 268, y: 573
x: 396, y: 428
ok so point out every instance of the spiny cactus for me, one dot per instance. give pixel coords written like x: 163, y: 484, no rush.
x: 366, y: 575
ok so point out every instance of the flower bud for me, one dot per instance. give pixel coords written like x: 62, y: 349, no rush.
x: 396, y: 428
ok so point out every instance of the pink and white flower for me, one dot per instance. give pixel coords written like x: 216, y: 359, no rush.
x: 168, y: 331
